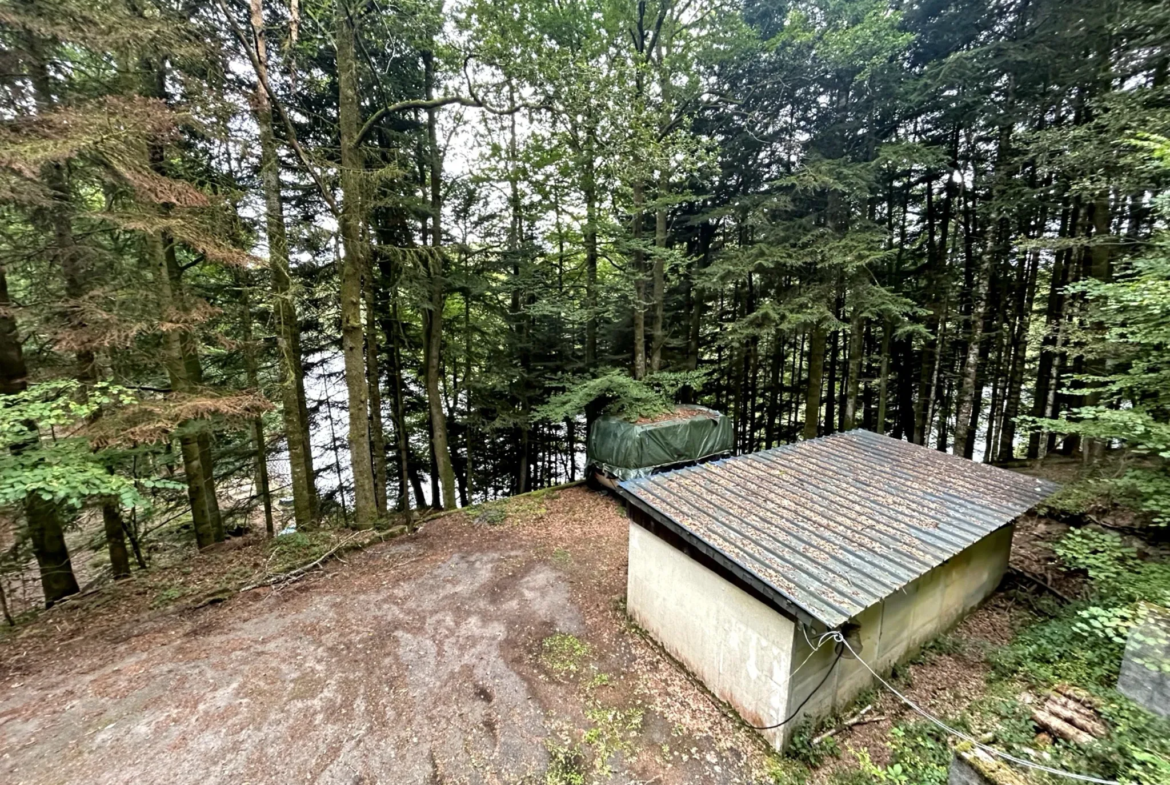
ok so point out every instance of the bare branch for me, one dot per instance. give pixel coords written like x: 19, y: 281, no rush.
x: 253, y: 56
x: 475, y: 102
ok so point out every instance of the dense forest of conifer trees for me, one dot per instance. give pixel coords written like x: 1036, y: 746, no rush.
x: 373, y: 257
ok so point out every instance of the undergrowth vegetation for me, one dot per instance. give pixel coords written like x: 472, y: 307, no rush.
x: 1080, y: 644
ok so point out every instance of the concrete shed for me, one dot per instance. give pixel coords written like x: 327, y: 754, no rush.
x: 737, y: 567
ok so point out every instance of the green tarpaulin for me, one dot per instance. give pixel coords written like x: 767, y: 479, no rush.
x: 628, y: 450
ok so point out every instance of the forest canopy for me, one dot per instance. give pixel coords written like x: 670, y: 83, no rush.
x: 346, y: 259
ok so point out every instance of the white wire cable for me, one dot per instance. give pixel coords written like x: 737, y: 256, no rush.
x: 837, y: 636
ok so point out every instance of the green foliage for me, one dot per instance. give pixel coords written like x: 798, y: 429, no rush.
x: 292, y: 550
x: 566, y: 765
x: 1117, y: 572
x: 492, y: 514
x: 800, y: 747
x: 611, y: 732
x: 563, y: 654
x: 1147, y: 768
x: 785, y: 771
x: 1123, y: 585
x: 1100, y: 553
x: 1054, y: 651
x: 1131, y: 339
x: 167, y: 596
x: 1077, y: 499
x: 920, y: 755
x: 45, y: 447
x: 1082, y: 644
x: 617, y: 393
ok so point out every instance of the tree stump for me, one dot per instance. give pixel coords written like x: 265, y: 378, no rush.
x: 972, y: 766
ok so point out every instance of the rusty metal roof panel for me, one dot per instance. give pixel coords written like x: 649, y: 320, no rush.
x: 832, y: 526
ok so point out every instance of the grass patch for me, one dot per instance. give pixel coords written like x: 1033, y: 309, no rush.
x: 527, y: 506
x: 947, y: 643
x: 785, y: 771
x: 167, y: 596
x: 514, y: 509
x: 600, y: 679
x: 492, y: 514
x: 613, y: 732
x: 563, y: 654
x: 1077, y: 499
x: 566, y: 765
x: 802, y: 750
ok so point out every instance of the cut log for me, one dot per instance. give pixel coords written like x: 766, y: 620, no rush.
x: 1059, y: 728
x: 1076, y: 713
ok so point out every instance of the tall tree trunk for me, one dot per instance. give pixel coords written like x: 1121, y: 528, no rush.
x: 776, y: 376
x: 353, y: 266
x: 589, y: 189
x: 44, y: 519
x: 374, y: 380
x: 56, y: 219
x: 1100, y: 269
x: 4, y: 605
x: 964, y: 444
x: 1047, y: 366
x: 181, y: 371
x: 393, y: 233
x: 294, y: 407
x: 252, y: 377
x: 797, y: 374
x: 853, y: 383
x: 658, y: 292
x: 998, y: 377
x: 639, y: 268
x: 831, y: 386
x: 884, y: 382
x: 938, y: 230
x: 816, y: 378
x: 180, y: 351
x: 402, y: 440
x: 115, y: 531
x: 434, y: 333
x: 904, y: 420
x: 1025, y: 295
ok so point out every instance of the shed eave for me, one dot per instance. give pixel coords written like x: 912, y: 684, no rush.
x: 781, y: 601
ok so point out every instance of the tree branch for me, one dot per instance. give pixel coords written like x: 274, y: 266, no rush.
x: 253, y: 56
x: 475, y: 102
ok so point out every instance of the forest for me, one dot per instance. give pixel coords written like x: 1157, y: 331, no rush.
x: 269, y: 262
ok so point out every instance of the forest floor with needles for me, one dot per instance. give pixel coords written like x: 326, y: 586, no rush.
x: 491, y: 646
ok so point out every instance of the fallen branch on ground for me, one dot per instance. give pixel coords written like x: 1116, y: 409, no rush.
x: 857, y: 719
x: 299, y: 572
x: 1043, y: 584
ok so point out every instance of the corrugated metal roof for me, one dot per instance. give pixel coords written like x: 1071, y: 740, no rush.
x: 830, y: 526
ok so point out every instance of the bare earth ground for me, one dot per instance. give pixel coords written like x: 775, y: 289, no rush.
x: 422, y: 660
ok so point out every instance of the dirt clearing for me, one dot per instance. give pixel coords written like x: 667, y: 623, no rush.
x: 487, y: 648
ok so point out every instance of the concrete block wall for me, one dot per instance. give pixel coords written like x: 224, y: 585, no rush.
x: 744, y: 650
x: 738, y: 646
x: 895, y: 629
